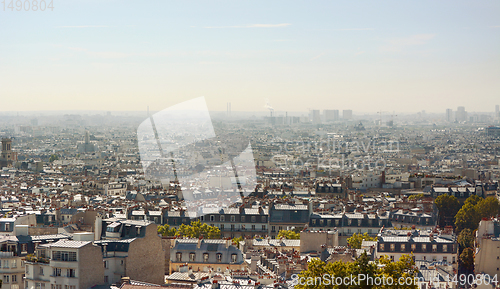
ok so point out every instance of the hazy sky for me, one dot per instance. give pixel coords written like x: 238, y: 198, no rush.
x: 401, y: 56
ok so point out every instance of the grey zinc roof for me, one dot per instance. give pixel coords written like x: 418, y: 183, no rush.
x: 69, y: 244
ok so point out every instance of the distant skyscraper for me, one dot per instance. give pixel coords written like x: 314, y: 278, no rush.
x: 449, y: 115
x: 331, y: 115
x: 315, y: 116
x: 461, y: 114
x: 497, y: 111
x: 347, y: 114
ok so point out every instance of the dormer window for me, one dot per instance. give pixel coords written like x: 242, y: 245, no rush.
x: 205, y: 257
x: 219, y: 257
x: 178, y: 256
x: 234, y: 258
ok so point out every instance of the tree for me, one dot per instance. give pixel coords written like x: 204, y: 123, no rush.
x: 473, y: 200
x: 404, y: 267
x: 467, y: 258
x: 416, y: 197
x: 356, y: 240
x: 165, y: 230
x: 466, y: 238
x: 466, y: 217
x: 288, y: 234
x: 53, y: 158
x: 474, y: 209
x: 237, y: 240
x: 196, y: 229
x: 487, y: 208
x: 448, y: 207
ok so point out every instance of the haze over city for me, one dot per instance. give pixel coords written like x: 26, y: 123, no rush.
x: 366, y: 56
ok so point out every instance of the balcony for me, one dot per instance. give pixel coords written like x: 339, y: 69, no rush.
x: 35, y: 259
x: 4, y: 255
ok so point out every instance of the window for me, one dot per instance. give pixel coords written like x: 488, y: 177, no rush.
x: 27, y: 269
x: 205, y: 257
x: 232, y: 227
x: 178, y: 256
x: 234, y: 258
x: 434, y: 258
x: 233, y: 219
x: 263, y: 227
x: 212, y: 218
x: 434, y: 248
x: 106, y: 264
x: 192, y: 257
x: 6, y: 278
x: 445, y: 248
x: 6, y: 263
x: 24, y: 247
x: 329, y: 223
x: 14, y: 278
x: 243, y: 219
x: 337, y: 222
x: 263, y: 219
x: 14, y: 264
x: 393, y: 247
x: 413, y: 247
x: 70, y: 273
x: 64, y: 256
x: 424, y: 247
x: 273, y: 229
x: 403, y: 247
x: 321, y: 223
x: 221, y: 227
x: 392, y: 258
x: 41, y: 270
x: 219, y: 257
x: 253, y: 227
x: 381, y: 247
x: 56, y: 272
x: 445, y: 259
x: 222, y: 218
x: 106, y: 279
x: 313, y: 221
x: 254, y: 219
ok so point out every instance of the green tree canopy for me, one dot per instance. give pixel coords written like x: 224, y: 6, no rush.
x: 488, y: 207
x: 237, y: 240
x: 356, y: 240
x: 448, y: 207
x: 416, y: 197
x: 288, y: 234
x: 404, y: 267
x: 53, y: 158
x: 195, y: 230
x: 474, y: 209
x: 466, y: 238
x: 165, y: 230
x: 467, y: 258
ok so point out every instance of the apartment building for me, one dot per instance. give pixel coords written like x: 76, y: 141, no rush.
x: 436, y: 245
x: 65, y: 264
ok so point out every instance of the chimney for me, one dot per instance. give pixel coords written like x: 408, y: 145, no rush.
x: 200, y: 240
